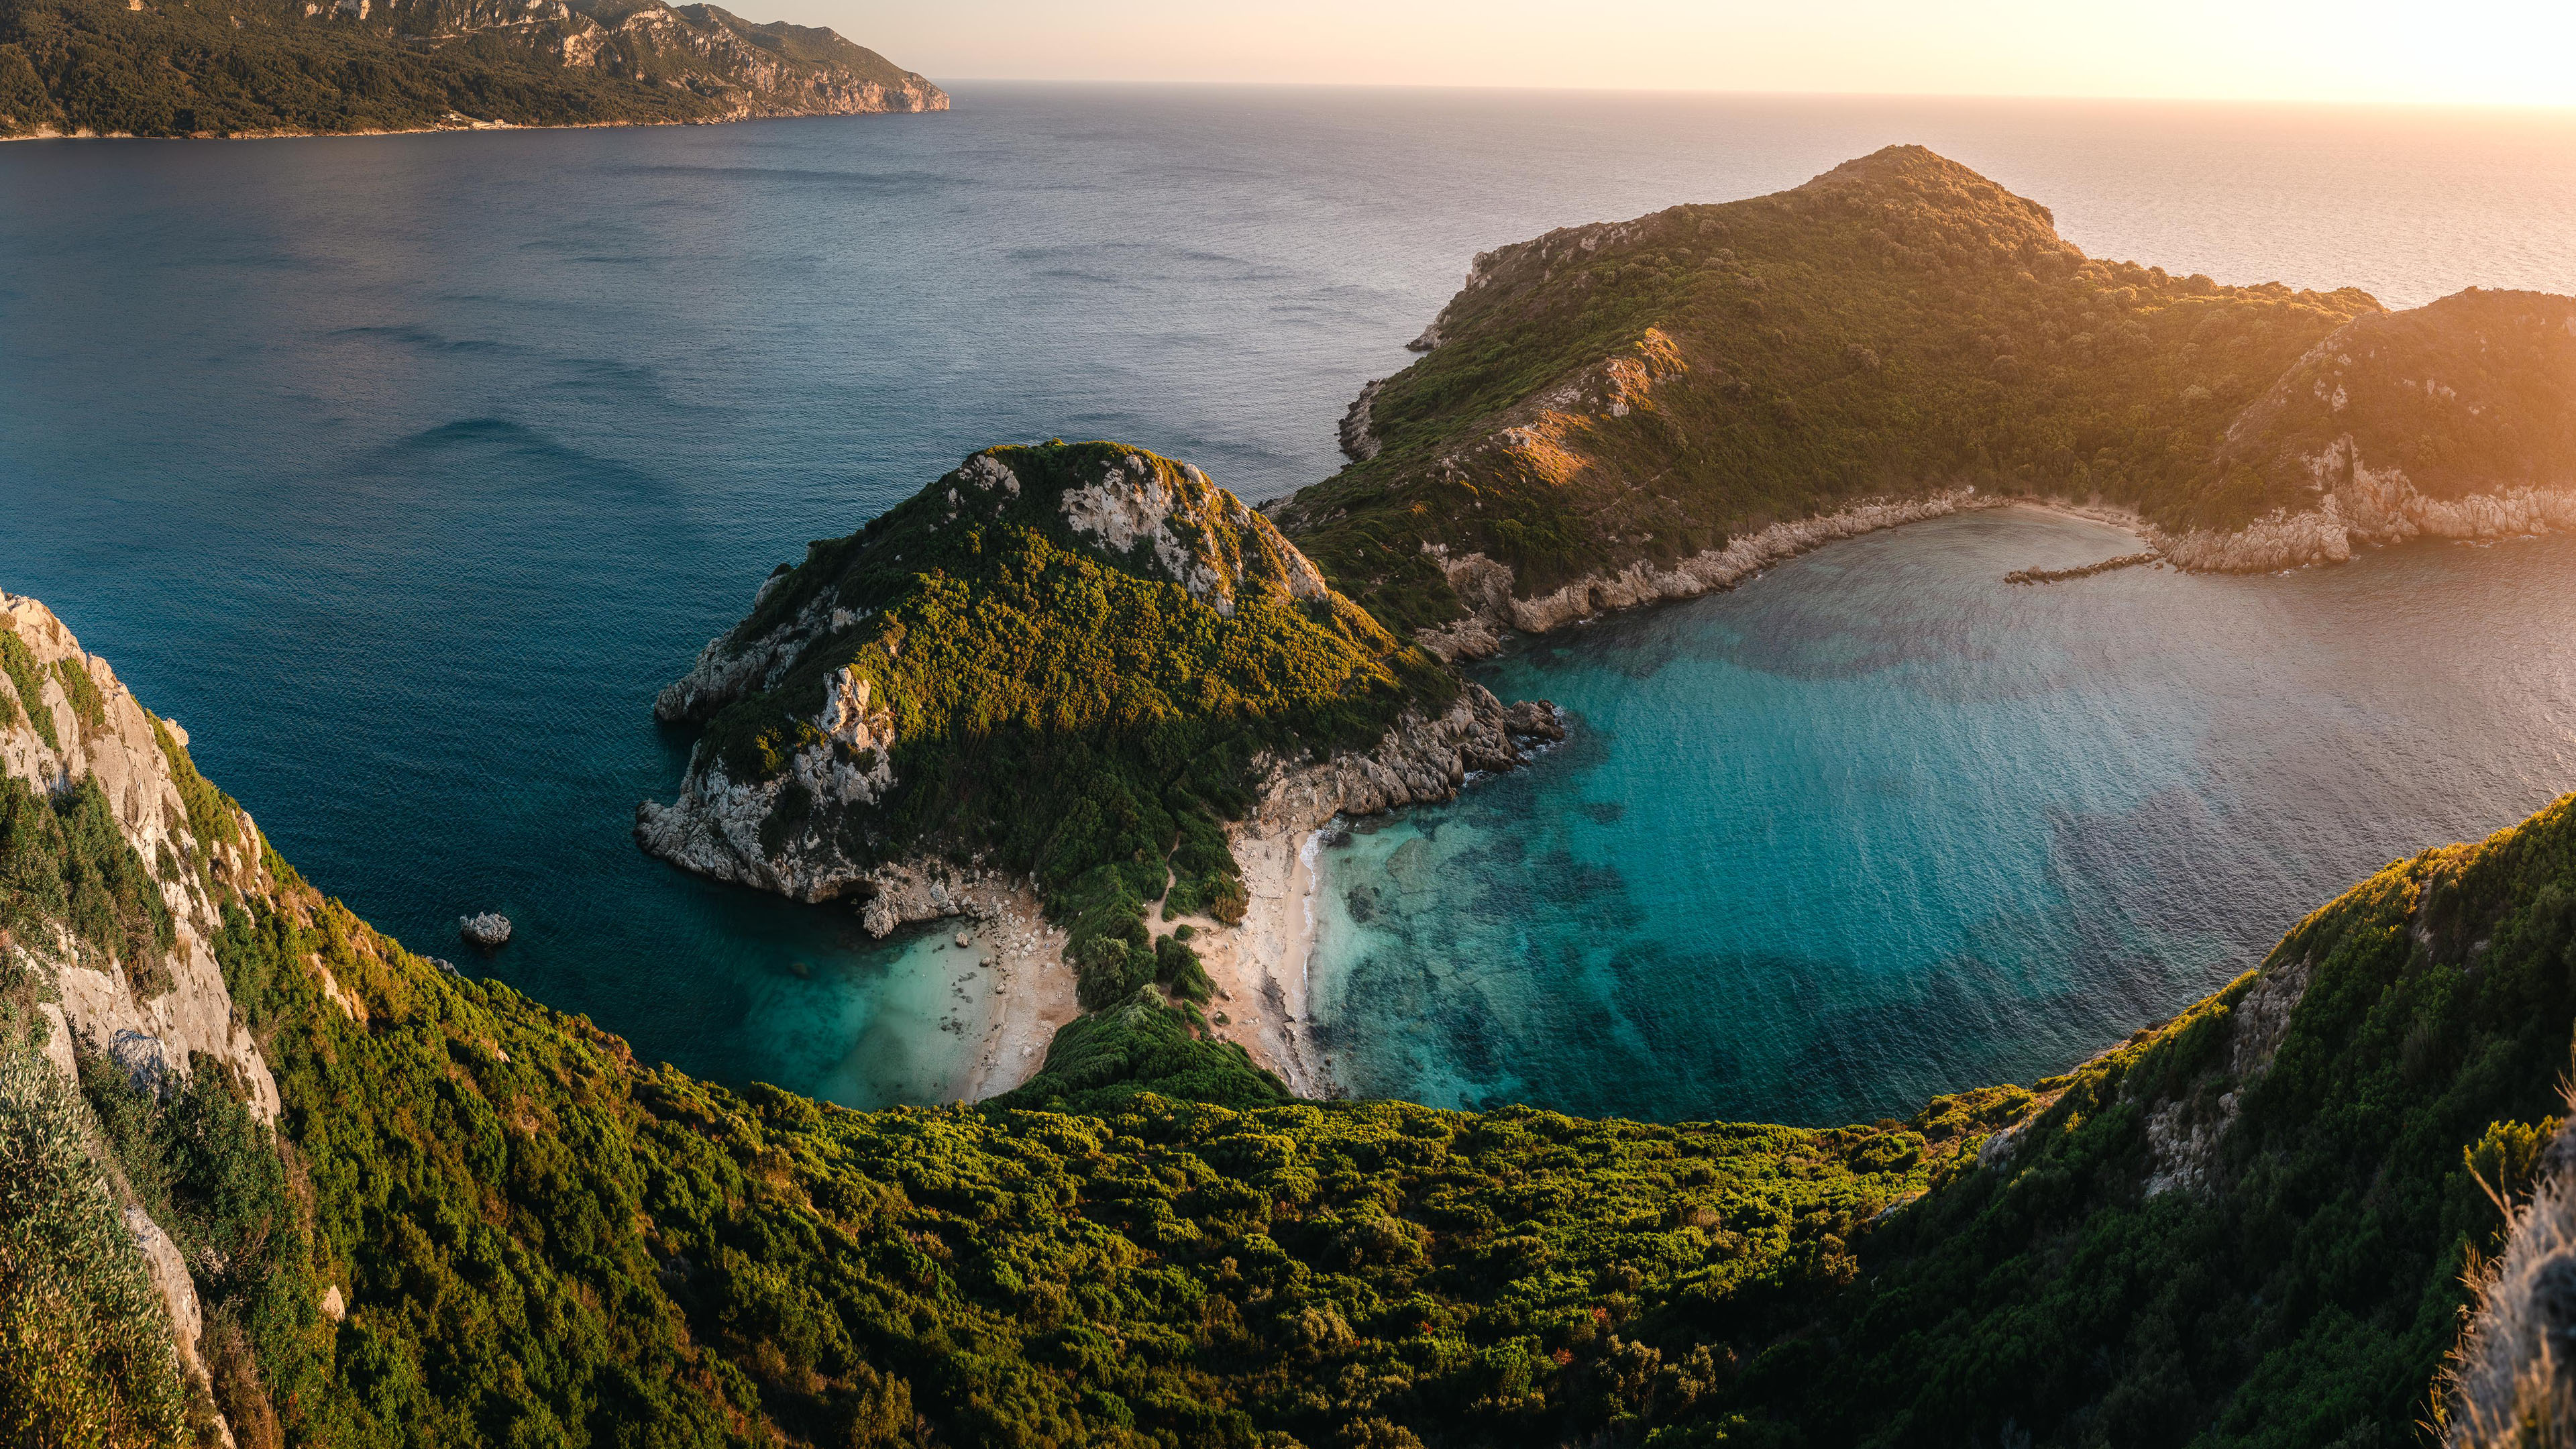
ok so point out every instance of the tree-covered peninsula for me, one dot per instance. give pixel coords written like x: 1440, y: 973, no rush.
x: 1076, y: 663
x: 268, y: 1174
x: 1620, y: 412
x: 286, y: 67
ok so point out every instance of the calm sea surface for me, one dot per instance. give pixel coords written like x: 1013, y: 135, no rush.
x: 404, y: 470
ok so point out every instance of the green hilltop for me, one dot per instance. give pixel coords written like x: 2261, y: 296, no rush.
x: 1069, y: 661
x: 1636, y: 393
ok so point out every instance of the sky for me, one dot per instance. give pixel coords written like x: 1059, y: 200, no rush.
x: 2480, y: 52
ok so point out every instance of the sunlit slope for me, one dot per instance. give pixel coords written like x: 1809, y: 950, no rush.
x: 1633, y: 395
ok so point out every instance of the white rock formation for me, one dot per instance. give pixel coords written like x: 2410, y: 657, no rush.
x: 97, y: 997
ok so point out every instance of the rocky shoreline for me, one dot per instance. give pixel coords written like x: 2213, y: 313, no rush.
x: 2385, y: 511
x: 2375, y: 510
x: 1260, y: 966
x: 1485, y: 584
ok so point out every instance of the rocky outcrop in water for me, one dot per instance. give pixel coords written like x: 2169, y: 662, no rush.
x: 2082, y: 571
x: 1071, y: 600
x: 489, y: 931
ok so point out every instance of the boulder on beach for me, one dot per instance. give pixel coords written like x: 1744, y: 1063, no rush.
x: 487, y: 930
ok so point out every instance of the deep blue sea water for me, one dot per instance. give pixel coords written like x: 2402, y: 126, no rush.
x: 404, y: 470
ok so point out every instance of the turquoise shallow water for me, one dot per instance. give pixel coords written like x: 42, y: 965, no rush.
x: 1879, y: 825
x: 404, y: 470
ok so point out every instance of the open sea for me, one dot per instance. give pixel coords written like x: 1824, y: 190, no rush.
x: 404, y: 470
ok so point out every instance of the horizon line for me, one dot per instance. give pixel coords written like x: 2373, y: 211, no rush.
x: 2566, y: 108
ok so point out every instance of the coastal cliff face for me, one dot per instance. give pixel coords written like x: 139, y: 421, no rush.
x: 1619, y: 413
x: 117, y: 864
x: 2454, y: 420
x: 68, y: 728
x: 275, y: 67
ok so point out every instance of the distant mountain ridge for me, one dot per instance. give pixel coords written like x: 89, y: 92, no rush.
x: 282, y: 67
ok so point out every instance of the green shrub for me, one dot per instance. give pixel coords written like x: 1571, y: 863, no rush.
x: 89, y: 707
x: 27, y: 678
x: 66, y: 860
x: 85, y: 1357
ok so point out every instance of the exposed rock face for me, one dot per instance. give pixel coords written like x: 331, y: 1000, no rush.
x: 2368, y: 508
x: 155, y: 1036
x: 1421, y: 761
x: 488, y: 930
x: 2184, y: 1132
x: 169, y: 1274
x: 1359, y: 444
x: 1485, y: 585
x: 1181, y: 527
x: 119, y: 748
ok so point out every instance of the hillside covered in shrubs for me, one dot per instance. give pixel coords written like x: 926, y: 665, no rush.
x: 1635, y: 395
x: 474, y: 1220
x: 1075, y: 662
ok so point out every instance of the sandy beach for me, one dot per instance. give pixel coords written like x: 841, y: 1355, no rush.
x: 1024, y: 986
x: 1259, y: 967
x: 1024, y: 990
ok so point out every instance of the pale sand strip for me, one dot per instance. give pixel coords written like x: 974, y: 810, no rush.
x: 1025, y: 989
x: 1259, y: 967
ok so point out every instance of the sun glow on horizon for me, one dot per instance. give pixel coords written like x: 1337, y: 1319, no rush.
x: 2476, y: 52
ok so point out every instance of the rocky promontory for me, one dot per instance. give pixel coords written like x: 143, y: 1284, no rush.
x: 1620, y: 413
x: 1057, y: 661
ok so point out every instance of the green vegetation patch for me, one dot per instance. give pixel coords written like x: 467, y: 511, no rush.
x: 213, y: 817
x: 85, y: 1357
x: 64, y: 860
x: 89, y: 707
x: 27, y: 678
x: 538, y: 1234
x: 1058, y: 711
x: 1104, y: 1062
x: 1897, y: 326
